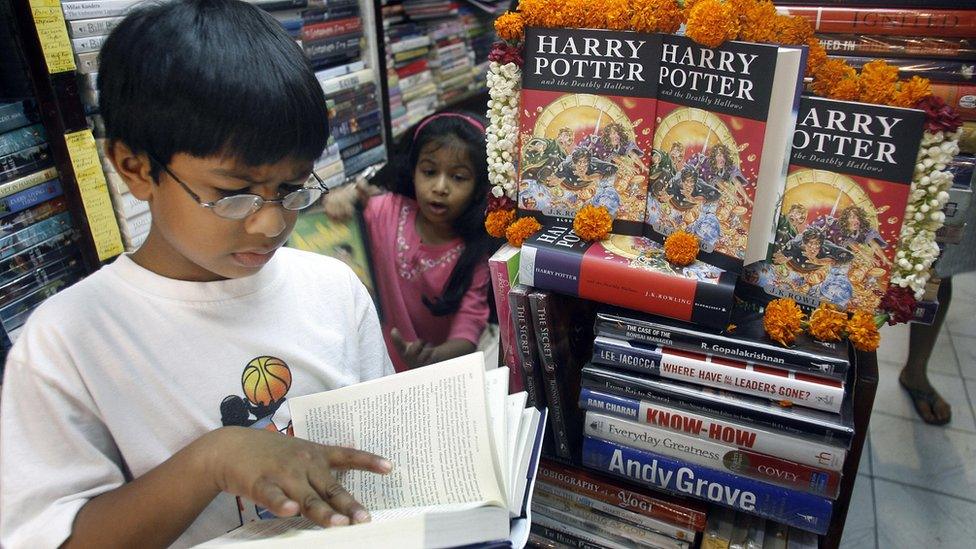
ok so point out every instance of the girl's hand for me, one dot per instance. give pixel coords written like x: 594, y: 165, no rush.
x: 288, y: 475
x: 340, y: 203
x: 415, y: 353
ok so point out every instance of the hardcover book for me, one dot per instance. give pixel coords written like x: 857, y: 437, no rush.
x: 627, y: 271
x: 791, y: 507
x: 743, y: 339
x: 721, y: 137
x: 841, y: 214
x: 586, y: 122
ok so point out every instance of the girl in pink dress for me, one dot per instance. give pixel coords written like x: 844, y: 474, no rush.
x: 428, y: 242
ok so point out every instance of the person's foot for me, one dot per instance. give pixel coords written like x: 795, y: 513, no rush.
x: 929, y: 405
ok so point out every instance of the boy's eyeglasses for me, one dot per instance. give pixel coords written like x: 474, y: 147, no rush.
x: 240, y: 206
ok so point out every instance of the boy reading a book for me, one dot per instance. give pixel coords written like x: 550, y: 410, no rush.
x: 144, y: 406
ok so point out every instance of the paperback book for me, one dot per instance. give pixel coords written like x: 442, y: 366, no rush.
x: 841, y: 214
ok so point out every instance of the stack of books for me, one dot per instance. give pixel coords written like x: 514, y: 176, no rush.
x: 39, y: 254
x: 413, y: 93
x: 933, y: 39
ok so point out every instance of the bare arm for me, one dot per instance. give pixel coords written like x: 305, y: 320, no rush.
x: 284, y: 474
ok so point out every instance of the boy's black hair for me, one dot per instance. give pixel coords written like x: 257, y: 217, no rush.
x: 470, y: 225
x: 209, y: 77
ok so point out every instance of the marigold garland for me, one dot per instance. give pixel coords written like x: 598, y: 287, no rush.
x: 518, y: 231
x: 912, y: 91
x: 863, y: 331
x: 827, y: 323
x: 510, y: 26
x: 783, y: 321
x: 655, y: 16
x: 828, y: 74
x: 878, y: 80
x: 711, y: 22
x: 592, y: 223
x: 497, y: 222
x: 758, y: 21
x: 681, y: 248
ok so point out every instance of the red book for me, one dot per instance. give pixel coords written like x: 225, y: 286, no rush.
x: 910, y: 22
x: 328, y: 29
x: 413, y: 68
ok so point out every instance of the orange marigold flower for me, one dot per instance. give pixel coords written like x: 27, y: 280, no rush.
x: 827, y: 323
x: 518, y: 231
x: 792, y: 30
x: 758, y: 21
x: 711, y: 22
x: 863, y: 332
x: 510, y: 26
x: 497, y: 221
x: 655, y: 15
x: 608, y: 14
x: 681, y: 248
x: 848, y: 89
x: 878, y: 80
x: 829, y: 74
x: 592, y: 223
x: 912, y: 91
x: 783, y: 320
x: 534, y: 12
x: 816, y: 56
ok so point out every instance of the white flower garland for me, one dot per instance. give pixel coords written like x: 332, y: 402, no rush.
x: 917, y: 249
x: 504, y: 84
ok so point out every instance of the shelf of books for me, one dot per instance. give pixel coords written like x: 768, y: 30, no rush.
x: 704, y: 236
x: 436, y: 55
x: 56, y: 221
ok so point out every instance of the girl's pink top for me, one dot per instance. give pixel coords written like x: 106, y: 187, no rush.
x: 407, y: 270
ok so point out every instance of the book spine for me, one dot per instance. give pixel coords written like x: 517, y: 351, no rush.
x: 29, y: 198
x: 53, y: 249
x: 566, y: 536
x: 360, y: 147
x: 741, y: 435
x: 22, y: 138
x: 899, y: 22
x: 350, y: 80
x: 33, y: 215
x: 341, y: 70
x: 643, y: 503
x: 364, y: 160
x: 790, y: 507
x: 88, y: 43
x: 17, y: 115
x: 501, y: 285
x: 937, y: 70
x: 92, y: 9
x: 87, y: 62
x: 35, y: 234
x: 772, y: 383
x: 957, y: 96
x: 356, y: 124
x: 92, y: 27
x: 725, y: 404
x: 331, y: 47
x: 722, y: 457
x: 518, y: 299
x: 703, y: 341
x: 659, y: 526
x: 899, y: 46
x: 560, y: 404
x: 330, y: 14
x: 571, y: 514
x: 328, y: 29
x: 24, y: 162
x: 28, y: 181
x: 350, y: 140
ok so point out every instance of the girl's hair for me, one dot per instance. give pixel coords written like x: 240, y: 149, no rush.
x: 448, y: 129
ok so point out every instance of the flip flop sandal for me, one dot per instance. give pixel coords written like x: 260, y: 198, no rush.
x: 924, y: 395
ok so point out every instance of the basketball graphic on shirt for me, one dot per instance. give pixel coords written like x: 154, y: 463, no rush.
x: 266, y: 380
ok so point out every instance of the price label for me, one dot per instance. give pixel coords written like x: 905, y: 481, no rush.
x: 94, y: 194
x: 51, y: 29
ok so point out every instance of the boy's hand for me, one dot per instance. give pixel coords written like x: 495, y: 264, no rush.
x: 288, y: 475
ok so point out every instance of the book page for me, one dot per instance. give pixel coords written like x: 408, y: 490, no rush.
x: 431, y: 423
x: 496, y: 391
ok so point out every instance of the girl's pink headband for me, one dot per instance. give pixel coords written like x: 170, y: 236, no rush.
x: 474, y: 122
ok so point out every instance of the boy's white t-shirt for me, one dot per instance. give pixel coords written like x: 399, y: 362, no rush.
x: 113, y: 376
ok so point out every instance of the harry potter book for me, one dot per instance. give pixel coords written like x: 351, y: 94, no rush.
x: 841, y: 214
x: 721, y: 140
x: 629, y: 271
x: 587, y: 114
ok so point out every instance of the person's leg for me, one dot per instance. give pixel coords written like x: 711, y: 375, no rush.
x: 914, y: 378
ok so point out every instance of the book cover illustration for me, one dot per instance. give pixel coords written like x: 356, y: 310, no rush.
x: 346, y: 241
x: 587, y: 112
x: 842, y: 210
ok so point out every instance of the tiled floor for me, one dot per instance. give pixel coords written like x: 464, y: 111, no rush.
x: 917, y: 483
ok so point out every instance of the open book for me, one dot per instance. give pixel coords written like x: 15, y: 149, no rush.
x: 464, y: 453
